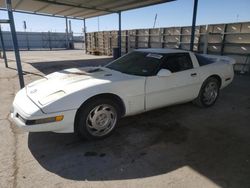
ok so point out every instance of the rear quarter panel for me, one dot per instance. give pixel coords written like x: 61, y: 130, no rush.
x: 223, y: 70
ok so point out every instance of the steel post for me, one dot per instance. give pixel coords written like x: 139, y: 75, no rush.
x: 70, y: 29
x: 223, y: 40
x: 85, y: 35
x: 27, y: 40
x: 50, y: 46
x: 71, y: 46
x: 127, y: 38
x: 205, y: 41
x: 193, y: 25
x: 119, y: 36
x: 3, y: 48
x: 67, y: 33
x: 15, y: 42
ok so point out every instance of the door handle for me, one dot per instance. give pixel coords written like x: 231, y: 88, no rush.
x: 194, y: 74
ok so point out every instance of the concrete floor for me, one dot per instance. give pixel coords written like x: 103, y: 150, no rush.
x: 178, y: 146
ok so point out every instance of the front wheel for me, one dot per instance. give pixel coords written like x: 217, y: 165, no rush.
x: 97, y: 119
x: 209, y: 93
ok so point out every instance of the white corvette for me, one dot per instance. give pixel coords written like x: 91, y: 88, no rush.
x: 91, y: 100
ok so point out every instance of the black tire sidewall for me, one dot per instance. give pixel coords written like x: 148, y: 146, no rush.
x: 83, y: 112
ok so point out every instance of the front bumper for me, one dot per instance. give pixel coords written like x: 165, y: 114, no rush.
x: 24, y: 110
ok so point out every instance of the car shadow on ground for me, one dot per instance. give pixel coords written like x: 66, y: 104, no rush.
x: 150, y: 144
x: 138, y: 148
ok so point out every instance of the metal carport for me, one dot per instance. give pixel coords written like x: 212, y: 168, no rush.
x: 75, y: 9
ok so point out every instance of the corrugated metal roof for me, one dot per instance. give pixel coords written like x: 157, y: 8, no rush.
x: 79, y: 8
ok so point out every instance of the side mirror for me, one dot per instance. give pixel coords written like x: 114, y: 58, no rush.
x: 164, y: 73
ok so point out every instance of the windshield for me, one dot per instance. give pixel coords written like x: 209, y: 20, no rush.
x: 137, y: 63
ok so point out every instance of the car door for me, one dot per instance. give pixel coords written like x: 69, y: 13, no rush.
x: 180, y: 86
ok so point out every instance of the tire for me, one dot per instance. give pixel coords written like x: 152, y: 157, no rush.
x: 97, y: 119
x: 209, y: 92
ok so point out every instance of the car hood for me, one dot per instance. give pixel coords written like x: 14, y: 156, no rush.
x: 59, y: 84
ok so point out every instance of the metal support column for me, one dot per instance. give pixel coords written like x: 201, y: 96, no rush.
x: 193, y: 25
x: 50, y: 46
x: 136, y: 38
x: 67, y: 33
x: 3, y: 48
x: 223, y: 40
x: 119, y: 36
x: 15, y: 43
x: 70, y: 29
x: 85, y: 35
x: 26, y: 35
x: 127, y: 38
x: 205, y: 45
x: 149, y: 38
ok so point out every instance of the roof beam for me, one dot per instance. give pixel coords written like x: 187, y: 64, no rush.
x: 76, y: 6
x: 42, y: 14
x: 18, y: 3
x: 42, y: 8
x: 94, y: 14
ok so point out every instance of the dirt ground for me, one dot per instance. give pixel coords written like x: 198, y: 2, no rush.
x: 178, y: 146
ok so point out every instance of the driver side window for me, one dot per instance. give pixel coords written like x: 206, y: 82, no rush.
x: 177, y: 63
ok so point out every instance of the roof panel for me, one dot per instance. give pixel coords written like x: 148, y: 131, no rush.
x: 91, y: 15
x: 78, y: 12
x: 54, y: 9
x: 25, y: 5
x: 71, y: 11
x: 79, y: 8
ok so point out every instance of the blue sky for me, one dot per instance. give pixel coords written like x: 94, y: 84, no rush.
x: 178, y: 13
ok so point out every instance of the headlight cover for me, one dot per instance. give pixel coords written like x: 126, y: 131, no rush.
x: 52, y: 97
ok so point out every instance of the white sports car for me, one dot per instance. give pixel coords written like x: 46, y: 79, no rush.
x: 91, y: 100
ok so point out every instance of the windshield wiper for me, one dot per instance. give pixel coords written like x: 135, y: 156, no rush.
x: 94, y: 70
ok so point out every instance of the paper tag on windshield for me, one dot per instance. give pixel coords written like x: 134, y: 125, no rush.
x: 157, y: 56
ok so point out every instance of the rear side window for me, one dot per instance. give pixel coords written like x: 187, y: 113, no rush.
x: 178, y: 62
x: 203, y: 60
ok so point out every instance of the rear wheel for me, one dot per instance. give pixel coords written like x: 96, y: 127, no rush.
x: 209, y: 93
x: 97, y: 119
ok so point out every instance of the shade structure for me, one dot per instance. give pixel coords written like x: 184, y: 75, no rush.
x: 79, y: 8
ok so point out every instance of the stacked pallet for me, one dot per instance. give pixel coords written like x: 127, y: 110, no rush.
x: 231, y: 39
